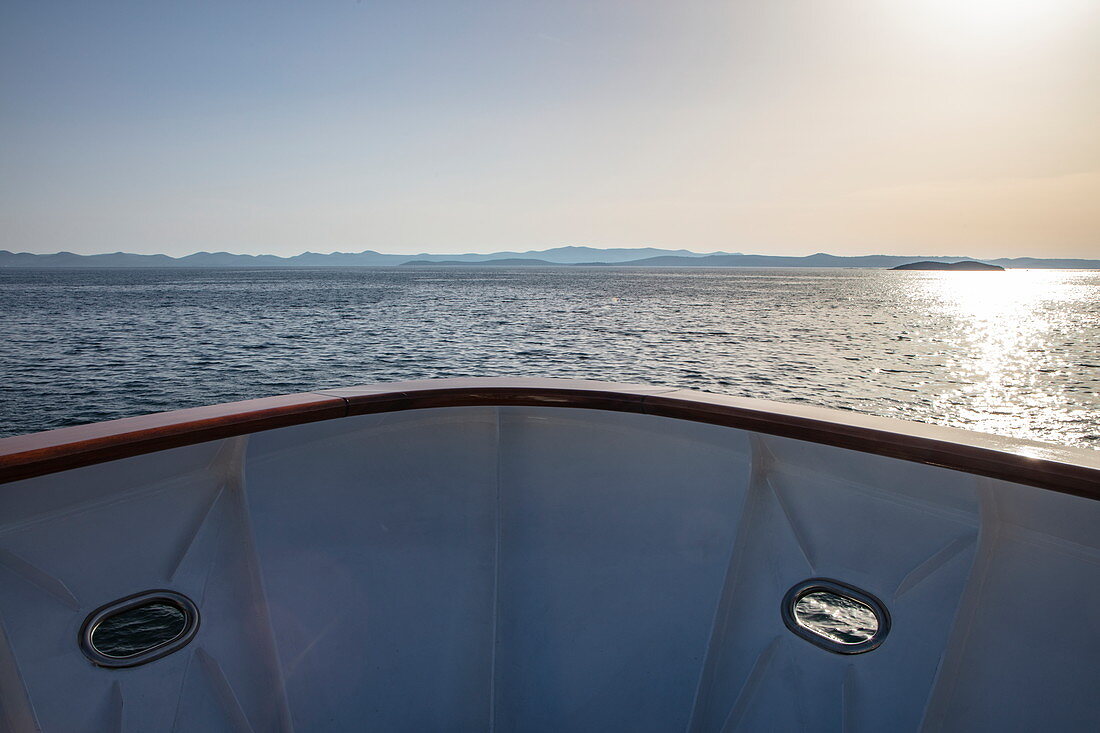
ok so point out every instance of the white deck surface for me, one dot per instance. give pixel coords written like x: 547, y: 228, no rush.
x: 545, y: 569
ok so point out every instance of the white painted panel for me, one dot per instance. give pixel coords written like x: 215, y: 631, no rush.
x: 377, y: 536
x: 169, y: 520
x: 1025, y: 655
x: 617, y: 530
x: 829, y: 513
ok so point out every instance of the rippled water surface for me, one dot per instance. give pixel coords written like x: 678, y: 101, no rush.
x: 1015, y: 353
x: 139, y: 629
x: 836, y: 618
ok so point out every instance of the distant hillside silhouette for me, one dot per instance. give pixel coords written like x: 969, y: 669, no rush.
x: 558, y: 256
x: 969, y: 265
x: 504, y: 262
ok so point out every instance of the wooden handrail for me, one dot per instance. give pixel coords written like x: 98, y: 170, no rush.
x: 1064, y: 469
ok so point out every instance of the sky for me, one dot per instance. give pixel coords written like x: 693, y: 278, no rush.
x: 937, y: 127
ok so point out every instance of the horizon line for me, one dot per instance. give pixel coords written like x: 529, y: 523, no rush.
x: 523, y: 252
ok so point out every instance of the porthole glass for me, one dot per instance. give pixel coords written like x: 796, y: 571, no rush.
x: 844, y: 620
x: 835, y: 616
x: 139, y: 628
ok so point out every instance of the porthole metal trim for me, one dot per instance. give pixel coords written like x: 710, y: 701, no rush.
x: 98, y: 616
x: 828, y: 585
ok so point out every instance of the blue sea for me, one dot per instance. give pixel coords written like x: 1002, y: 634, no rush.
x: 1015, y: 353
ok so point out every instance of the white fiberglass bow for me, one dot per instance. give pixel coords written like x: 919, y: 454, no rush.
x: 538, y: 555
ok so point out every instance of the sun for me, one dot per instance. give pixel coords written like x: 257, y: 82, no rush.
x: 993, y: 19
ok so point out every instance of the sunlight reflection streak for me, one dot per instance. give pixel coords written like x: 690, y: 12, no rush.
x: 1000, y: 357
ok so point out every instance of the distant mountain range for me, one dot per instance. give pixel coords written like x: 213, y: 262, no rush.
x: 558, y: 256
x: 367, y: 258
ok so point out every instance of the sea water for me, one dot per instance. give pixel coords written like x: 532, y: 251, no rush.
x: 1015, y: 353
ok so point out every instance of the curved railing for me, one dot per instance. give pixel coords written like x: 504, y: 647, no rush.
x: 1058, y: 468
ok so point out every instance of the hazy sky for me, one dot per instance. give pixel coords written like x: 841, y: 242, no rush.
x: 967, y: 127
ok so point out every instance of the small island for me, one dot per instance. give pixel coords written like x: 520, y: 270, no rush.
x: 964, y: 265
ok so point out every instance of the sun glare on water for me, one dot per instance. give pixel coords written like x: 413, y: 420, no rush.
x: 1004, y: 325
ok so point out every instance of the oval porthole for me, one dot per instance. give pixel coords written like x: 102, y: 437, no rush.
x: 139, y: 628
x: 835, y: 616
